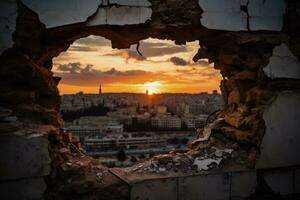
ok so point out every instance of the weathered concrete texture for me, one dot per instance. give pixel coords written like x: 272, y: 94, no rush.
x: 266, y: 14
x: 297, y: 181
x: 157, y: 189
x: 237, y: 15
x: 141, y: 3
x: 120, y: 16
x: 283, y: 64
x: 230, y: 185
x: 205, y: 187
x: 224, y: 15
x: 235, y: 21
x: 281, y: 143
x: 23, y: 157
x: 57, y: 13
x: 27, y: 189
x: 281, y: 181
x: 8, y: 15
x: 243, y: 184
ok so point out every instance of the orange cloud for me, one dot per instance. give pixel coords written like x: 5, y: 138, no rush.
x: 170, y: 65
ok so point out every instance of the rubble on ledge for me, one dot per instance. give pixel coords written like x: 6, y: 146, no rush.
x: 211, y: 151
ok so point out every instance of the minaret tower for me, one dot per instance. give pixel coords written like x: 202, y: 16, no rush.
x: 100, y: 89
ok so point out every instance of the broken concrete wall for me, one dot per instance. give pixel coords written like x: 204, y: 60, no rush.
x: 242, y: 15
x: 281, y: 142
x: 155, y: 189
x: 266, y: 14
x: 29, y: 89
x: 237, y: 15
x: 59, y: 13
x: 283, y: 64
x: 283, y: 181
x: 24, y: 163
x: 216, y: 186
x: 8, y: 15
x: 223, y: 15
x: 220, y: 186
x: 120, y: 16
x: 32, y: 188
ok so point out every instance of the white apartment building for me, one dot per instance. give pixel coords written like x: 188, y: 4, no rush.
x: 85, y: 131
x: 160, y: 109
x: 106, y: 143
x: 95, y: 126
x: 94, y: 120
x: 166, y: 122
x: 113, y: 128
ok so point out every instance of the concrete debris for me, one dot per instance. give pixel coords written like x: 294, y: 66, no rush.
x: 162, y: 169
x: 206, y: 164
x: 64, y: 150
x: 8, y: 122
x: 9, y: 119
x: 222, y: 152
x: 207, y: 152
x: 4, y: 112
x: 99, y: 176
x: 206, y: 134
x: 191, y: 161
x: 207, y: 131
x: 164, y: 159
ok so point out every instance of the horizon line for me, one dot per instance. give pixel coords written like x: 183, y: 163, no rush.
x: 141, y: 93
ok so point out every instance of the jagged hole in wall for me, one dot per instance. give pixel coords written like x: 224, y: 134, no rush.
x: 109, y: 95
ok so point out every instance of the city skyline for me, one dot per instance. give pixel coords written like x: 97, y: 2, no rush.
x: 164, y: 68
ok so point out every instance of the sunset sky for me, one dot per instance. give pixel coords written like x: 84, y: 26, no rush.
x: 164, y: 68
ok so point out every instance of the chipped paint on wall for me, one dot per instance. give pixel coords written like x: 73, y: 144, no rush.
x: 241, y: 15
x: 283, y: 64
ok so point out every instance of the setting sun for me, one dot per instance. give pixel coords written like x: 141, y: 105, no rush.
x: 152, y: 87
x: 164, y: 68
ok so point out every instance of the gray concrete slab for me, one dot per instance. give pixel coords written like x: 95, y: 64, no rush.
x: 205, y: 187
x: 157, y: 189
x: 27, y: 189
x: 281, y: 143
x: 280, y: 181
x: 23, y: 157
x: 243, y: 184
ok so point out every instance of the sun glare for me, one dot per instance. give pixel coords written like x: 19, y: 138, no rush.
x: 152, y: 87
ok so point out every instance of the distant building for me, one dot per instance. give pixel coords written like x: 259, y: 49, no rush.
x: 98, y: 121
x: 215, y: 92
x: 182, y: 109
x: 100, y: 89
x: 90, y: 126
x: 197, y: 108
x: 85, y: 131
x: 109, y: 143
x: 113, y: 128
x: 166, y: 122
x: 160, y: 109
